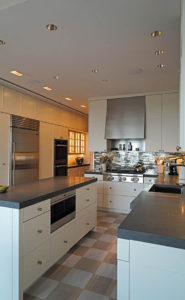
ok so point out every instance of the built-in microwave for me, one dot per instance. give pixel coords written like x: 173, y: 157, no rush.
x: 63, y: 209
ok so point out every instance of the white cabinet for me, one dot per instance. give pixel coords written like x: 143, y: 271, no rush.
x: 162, y: 122
x: 123, y: 287
x: 5, y: 148
x: 170, y: 122
x: 60, y: 132
x: 97, y: 120
x: 100, y: 192
x: 153, y: 123
x: 46, y: 151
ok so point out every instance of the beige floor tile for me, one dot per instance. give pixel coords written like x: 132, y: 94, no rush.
x: 71, y: 261
x: 94, y: 235
x: 102, y: 245
x: 96, y: 254
x: 101, y: 285
x: 77, y: 278
x: 103, y: 224
x: 87, y: 242
x: 88, y: 295
x: 57, y: 272
x: 42, y: 288
x: 29, y: 297
x: 111, y: 258
x: 65, y: 292
x: 112, y: 231
x: 107, y: 270
x: 114, y: 248
x: 87, y: 265
x: 109, y: 238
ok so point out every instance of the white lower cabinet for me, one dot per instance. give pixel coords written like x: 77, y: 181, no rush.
x: 117, y: 203
x: 99, y: 177
x: 123, y: 280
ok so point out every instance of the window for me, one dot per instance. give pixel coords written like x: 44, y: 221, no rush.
x: 76, y: 142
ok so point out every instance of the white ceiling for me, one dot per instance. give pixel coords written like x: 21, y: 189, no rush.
x: 111, y: 35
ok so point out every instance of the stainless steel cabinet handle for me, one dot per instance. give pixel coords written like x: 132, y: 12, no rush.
x: 87, y: 200
x: 110, y: 188
x: 87, y: 224
x: 66, y: 242
x: 134, y: 190
x: 39, y: 209
x: 110, y: 201
x: 39, y: 262
x: 39, y: 231
x: 88, y: 189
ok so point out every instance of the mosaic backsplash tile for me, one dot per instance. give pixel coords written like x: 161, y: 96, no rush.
x: 131, y: 158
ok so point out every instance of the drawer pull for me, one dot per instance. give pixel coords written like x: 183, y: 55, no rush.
x: 110, y: 201
x: 39, y: 231
x: 39, y: 208
x: 88, y: 224
x: 134, y: 190
x: 88, y: 189
x: 66, y: 242
x: 39, y: 262
x: 110, y: 188
x: 150, y: 180
x: 87, y: 200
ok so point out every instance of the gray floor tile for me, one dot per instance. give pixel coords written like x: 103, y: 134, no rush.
x: 107, y: 238
x: 96, y: 254
x: 87, y: 295
x: 65, y: 292
x: 78, y: 278
x: 107, y: 270
x: 71, y: 261
x: 43, y: 288
x: 101, y: 285
x: 87, y: 242
x: 114, y: 293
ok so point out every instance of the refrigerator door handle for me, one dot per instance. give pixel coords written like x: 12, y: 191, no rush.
x: 13, y: 163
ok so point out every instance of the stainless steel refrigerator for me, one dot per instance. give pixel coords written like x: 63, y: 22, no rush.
x: 25, y: 150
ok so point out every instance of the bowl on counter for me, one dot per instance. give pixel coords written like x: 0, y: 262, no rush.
x: 79, y: 161
x: 3, y: 188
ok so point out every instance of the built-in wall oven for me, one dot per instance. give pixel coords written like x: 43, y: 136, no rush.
x: 63, y: 209
x: 60, y: 157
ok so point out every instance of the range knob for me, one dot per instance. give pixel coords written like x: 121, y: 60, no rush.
x: 124, y: 179
x: 120, y: 178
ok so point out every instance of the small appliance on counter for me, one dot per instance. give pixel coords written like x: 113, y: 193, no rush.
x: 79, y: 161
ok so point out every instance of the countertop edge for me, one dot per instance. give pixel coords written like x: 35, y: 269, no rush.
x: 78, y: 166
x: 29, y: 202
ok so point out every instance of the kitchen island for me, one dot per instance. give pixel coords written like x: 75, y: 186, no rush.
x: 29, y: 245
x: 151, y: 247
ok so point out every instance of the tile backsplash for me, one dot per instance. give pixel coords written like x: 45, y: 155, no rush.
x: 131, y: 158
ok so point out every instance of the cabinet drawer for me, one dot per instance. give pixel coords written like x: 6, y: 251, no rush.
x: 84, y: 200
x: 35, y: 232
x: 87, y: 220
x: 118, y: 203
x: 100, y: 200
x: 119, y: 188
x: 35, y: 264
x: 150, y: 180
x: 36, y: 210
x: 86, y: 189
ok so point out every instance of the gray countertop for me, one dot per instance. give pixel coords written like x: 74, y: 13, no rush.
x: 28, y: 194
x: 77, y: 166
x: 157, y: 218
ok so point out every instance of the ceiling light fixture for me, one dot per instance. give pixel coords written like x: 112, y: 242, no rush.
x: 83, y: 105
x: 95, y: 70
x: 51, y: 27
x: 162, y: 66
x: 156, y: 33
x: 47, y: 88
x: 2, y: 43
x: 159, y: 52
x: 16, y: 73
x: 68, y: 99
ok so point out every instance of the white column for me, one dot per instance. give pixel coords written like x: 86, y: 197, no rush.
x: 182, y: 79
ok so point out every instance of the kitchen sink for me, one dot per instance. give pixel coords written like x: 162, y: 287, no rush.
x: 160, y: 188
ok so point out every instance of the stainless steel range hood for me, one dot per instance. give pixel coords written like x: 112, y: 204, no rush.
x: 125, y: 118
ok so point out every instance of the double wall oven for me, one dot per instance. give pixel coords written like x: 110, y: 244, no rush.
x: 63, y: 209
x: 60, y: 157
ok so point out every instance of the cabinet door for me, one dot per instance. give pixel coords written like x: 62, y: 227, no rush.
x: 60, y: 132
x: 97, y: 119
x: 123, y: 280
x: 170, y: 122
x: 153, y: 123
x: 46, y: 155
x: 5, y: 148
x: 118, y: 203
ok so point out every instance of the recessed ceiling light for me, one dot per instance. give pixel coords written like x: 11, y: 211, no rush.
x: 161, y: 66
x: 83, y: 106
x: 51, y: 27
x: 56, y: 77
x: 68, y: 99
x: 95, y: 70
x: 2, y: 43
x: 159, y: 52
x: 156, y: 33
x: 47, y: 88
x: 16, y: 73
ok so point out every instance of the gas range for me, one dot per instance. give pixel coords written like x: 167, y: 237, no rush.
x: 124, y: 175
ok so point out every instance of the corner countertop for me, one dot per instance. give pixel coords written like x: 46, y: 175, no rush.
x: 28, y: 194
x: 77, y: 166
x: 157, y: 218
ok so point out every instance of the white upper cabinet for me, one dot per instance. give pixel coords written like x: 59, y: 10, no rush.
x: 153, y: 122
x: 5, y: 148
x: 162, y: 122
x: 170, y: 122
x: 97, y: 120
x: 60, y: 132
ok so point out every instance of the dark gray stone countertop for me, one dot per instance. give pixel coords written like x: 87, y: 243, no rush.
x: 77, y: 166
x: 97, y: 172
x: 28, y: 194
x: 157, y: 218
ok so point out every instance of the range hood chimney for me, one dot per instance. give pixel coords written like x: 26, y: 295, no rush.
x: 125, y: 118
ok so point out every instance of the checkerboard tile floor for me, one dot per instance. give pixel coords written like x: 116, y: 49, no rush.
x: 88, y: 271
